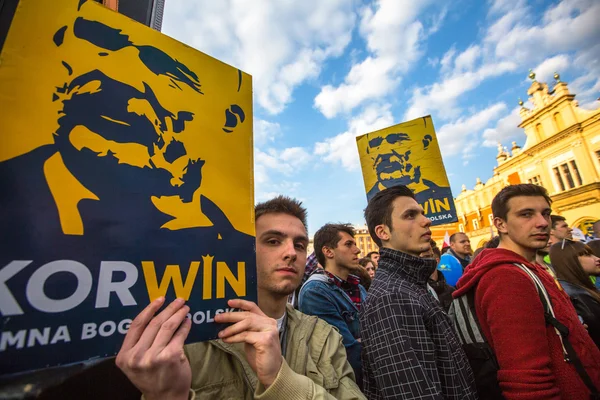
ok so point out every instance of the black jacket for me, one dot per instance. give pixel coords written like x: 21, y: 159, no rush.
x: 410, y: 348
x: 443, y: 290
x: 587, y: 308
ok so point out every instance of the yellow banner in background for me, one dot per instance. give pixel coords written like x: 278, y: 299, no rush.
x: 408, y: 154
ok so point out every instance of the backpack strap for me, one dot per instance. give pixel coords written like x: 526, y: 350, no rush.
x: 562, y: 331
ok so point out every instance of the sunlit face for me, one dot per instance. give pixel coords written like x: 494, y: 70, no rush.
x: 371, y: 270
x: 410, y: 231
x: 281, y: 243
x: 461, y: 245
x: 345, y: 254
x: 590, y: 264
x: 562, y: 231
x: 527, y: 223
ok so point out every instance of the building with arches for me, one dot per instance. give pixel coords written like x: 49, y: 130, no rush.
x: 561, y: 153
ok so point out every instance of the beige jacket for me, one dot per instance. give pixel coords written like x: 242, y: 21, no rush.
x: 315, y: 366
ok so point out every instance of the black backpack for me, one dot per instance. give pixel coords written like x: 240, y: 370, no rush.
x: 481, y: 357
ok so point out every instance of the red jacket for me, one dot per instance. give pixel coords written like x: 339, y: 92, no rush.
x: 511, y: 315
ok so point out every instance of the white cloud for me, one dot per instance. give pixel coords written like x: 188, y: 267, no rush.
x: 458, y: 137
x: 440, y: 99
x: 281, y: 44
x: 506, y: 129
x: 513, y: 41
x: 545, y: 70
x: 567, y: 26
x: 273, y: 170
x: 265, y: 132
x: 393, y: 35
x: 465, y: 61
x: 287, y: 162
x: 342, y: 148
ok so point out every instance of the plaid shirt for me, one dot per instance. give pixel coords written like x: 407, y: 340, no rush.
x: 312, y: 266
x: 349, y: 286
x: 410, y: 349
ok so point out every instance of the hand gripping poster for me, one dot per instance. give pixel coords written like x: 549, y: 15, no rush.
x: 408, y: 154
x: 126, y: 174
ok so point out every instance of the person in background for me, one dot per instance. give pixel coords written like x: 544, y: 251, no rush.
x: 574, y: 263
x: 595, y: 246
x: 438, y: 283
x: 453, y: 263
x: 493, y: 242
x: 368, y: 265
x: 560, y: 229
x: 596, y: 229
x: 374, y: 256
x: 366, y: 272
x: 335, y: 294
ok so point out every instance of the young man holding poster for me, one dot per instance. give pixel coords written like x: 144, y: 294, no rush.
x: 410, y: 349
x: 270, y: 351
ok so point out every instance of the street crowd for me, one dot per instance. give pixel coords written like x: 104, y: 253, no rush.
x: 517, y: 319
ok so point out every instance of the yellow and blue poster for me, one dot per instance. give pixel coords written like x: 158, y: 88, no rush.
x: 126, y: 174
x: 408, y: 154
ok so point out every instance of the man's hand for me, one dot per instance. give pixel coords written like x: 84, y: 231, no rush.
x: 260, y: 335
x: 152, y: 354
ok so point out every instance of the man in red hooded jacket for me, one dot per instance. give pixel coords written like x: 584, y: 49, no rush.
x: 509, y: 310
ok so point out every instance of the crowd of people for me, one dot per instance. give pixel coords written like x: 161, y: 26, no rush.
x: 518, y: 319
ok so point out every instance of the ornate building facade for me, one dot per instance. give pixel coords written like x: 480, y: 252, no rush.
x: 561, y: 153
x: 364, y: 241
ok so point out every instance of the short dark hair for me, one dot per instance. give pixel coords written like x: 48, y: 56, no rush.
x: 556, y: 219
x: 500, y: 202
x: 436, y: 251
x: 595, y: 246
x: 380, y: 207
x: 329, y: 235
x: 369, y: 254
x: 284, y: 205
x: 493, y: 243
x: 453, y: 236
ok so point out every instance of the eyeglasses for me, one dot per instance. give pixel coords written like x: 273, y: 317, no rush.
x: 392, y: 138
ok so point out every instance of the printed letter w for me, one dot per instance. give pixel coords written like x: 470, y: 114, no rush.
x: 172, y: 273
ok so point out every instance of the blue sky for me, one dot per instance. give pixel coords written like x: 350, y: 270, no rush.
x: 325, y: 72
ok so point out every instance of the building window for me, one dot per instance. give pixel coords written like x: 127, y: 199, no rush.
x: 461, y: 228
x: 540, y: 131
x: 598, y: 155
x: 567, y: 175
x: 560, y: 125
x: 536, y: 180
x: 491, y: 219
x: 475, y: 224
x: 575, y: 172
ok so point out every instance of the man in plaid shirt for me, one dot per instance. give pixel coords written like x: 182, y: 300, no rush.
x: 410, y: 349
x: 333, y: 293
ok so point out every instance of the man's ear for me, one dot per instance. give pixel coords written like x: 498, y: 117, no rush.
x: 500, y: 225
x: 382, y: 232
x: 328, y: 252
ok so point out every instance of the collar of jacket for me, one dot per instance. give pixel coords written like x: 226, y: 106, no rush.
x: 459, y: 258
x: 417, y: 268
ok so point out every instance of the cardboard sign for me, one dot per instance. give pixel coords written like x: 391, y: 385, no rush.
x: 126, y: 174
x: 408, y: 154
